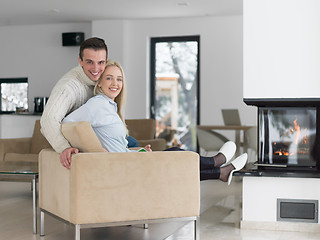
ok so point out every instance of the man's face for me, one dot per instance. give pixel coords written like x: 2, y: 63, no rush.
x: 93, y: 62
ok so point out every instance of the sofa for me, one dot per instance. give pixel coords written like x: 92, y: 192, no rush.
x: 112, y: 189
x: 24, y: 149
x: 144, y: 131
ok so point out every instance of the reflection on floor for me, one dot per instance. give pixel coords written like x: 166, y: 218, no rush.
x: 220, y: 214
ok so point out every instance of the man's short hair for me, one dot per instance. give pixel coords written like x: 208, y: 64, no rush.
x: 93, y: 43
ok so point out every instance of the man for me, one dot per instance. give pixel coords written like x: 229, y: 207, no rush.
x: 72, y: 91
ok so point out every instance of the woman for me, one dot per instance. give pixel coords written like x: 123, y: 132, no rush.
x: 105, y: 112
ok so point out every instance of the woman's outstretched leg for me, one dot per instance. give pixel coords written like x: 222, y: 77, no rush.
x: 210, y: 167
x: 224, y: 156
x: 216, y: 173
x: 237, y: 164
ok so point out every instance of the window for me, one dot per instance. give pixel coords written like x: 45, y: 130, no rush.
x: 175, y: 89
x: 14, y: 94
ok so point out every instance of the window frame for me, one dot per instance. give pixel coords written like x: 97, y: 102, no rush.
x: 153, y: 42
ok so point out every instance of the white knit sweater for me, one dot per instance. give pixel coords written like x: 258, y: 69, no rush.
x: 70, y: 92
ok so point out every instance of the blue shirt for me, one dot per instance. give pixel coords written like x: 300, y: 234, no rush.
x: 102, y: 114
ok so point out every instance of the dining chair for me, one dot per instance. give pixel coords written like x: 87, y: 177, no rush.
x: 210, y: 141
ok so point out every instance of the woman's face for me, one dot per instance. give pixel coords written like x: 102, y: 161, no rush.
x: 111, y: 82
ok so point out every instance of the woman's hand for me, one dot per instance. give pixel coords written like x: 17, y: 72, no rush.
x: 148, y: 148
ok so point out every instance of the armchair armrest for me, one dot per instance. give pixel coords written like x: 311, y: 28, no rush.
x: 14, y: 145
x: 115, y: 187
x: 157, y: 144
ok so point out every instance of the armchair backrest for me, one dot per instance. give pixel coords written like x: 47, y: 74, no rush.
x: 38, y: 141
x: 141, y: 129
x: 81, y: 135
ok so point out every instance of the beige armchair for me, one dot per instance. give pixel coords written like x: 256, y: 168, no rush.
x: 144, y: 131
x: 111, y: 189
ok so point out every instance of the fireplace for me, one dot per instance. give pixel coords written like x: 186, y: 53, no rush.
x: 288, y: 134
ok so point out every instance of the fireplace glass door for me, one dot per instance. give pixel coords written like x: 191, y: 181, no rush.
x: 287, y: 135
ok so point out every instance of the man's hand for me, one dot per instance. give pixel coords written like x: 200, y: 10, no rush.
x: 65, y: 156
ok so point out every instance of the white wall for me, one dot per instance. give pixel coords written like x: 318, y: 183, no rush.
x: 220, y: 61
x: 114, y: 37
x: 260, y: 194
x: 17, y: 126
x: 281, y: 48
x: 36, y: 52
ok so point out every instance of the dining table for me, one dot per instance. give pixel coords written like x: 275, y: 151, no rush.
x: 238, y: 129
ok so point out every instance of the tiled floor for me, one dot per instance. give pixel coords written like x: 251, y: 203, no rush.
x: 220, y: 214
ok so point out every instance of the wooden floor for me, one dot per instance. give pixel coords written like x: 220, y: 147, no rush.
x: 220, y: 214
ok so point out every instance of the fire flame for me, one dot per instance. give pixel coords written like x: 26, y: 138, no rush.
x: 297, y: 129
x: 301, y: 137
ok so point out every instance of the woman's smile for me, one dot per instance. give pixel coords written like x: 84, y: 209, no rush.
x: 111, y: 82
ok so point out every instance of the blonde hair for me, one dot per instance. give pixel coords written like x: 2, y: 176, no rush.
x: 122, y: 97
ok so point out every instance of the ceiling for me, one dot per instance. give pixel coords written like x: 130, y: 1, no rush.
x: 17, y: 12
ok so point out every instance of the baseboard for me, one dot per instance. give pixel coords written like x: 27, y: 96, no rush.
x: 281, y: 226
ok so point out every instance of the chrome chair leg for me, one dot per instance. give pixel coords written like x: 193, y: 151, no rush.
x: 41, y: 223
x: 77, y: 232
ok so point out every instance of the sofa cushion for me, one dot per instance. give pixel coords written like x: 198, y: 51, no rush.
x: 38, y: 141
x: 81, y: 135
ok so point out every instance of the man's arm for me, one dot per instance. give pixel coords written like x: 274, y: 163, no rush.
x: 50, y: 121
x: 59, y: 104
x: 71, y: 91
